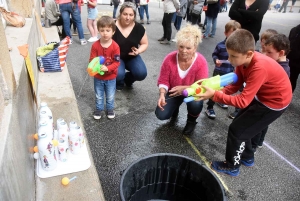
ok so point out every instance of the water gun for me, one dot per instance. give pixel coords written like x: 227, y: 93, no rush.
x: 95, y: 65
x: 217, y: 82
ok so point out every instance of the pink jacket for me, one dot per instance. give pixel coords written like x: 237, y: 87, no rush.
x: 62, y: 1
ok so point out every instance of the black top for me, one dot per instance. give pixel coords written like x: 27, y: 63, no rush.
x: 133, y: 40
x: 294, y: 37
x: 285, y: 66
x: 212, y: 9
x: 251, y: 18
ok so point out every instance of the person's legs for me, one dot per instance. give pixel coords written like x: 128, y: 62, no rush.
x: 294, y: 74
x: 147, y: 13
x: 164, y: 24
x: 168, y: 29
x: 92, y: 24
x: 77, y: 21
x: 170, y: 108
x: 208, y: 26
x: 65, y: 10
x: 194, y: 20
x: 258, y: 140
x: 142, y: 9
x: 137, y: 70
x: 194, y: 108
x: 120, y: 76
x: 178, y: 22
x: 99, y: 93
x: 115, y: 10
x: 110, y: 90
x: 214, y: 27
x: 253, y: 118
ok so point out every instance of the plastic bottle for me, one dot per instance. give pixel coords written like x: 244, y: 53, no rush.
x: 45, y: 126
x: 46, y: 152
x: 44, y: 107
x: 74, y: 141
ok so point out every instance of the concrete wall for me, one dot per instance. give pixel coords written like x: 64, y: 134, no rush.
x: 18, y: 109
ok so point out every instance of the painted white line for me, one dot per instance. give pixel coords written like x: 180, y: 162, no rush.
x: 278, y: 154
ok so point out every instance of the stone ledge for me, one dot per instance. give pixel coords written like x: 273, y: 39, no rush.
x: 56, y: 89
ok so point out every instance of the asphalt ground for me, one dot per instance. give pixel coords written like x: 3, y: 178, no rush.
x: 136, y: 132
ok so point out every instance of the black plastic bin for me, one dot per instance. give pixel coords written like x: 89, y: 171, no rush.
x: 170, y: 177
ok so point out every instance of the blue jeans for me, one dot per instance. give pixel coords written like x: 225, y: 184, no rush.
x: 136, y: 68
x: 177, y: 22
x: 194, y: 108
x: 115, y: 10
x: 65, y: 10
x: 209, y: 30
x: 142, y: 9
x: 109, y: 88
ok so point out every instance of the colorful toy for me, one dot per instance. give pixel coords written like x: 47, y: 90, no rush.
x: 65, y: 181
x: 217, y: 82
x: 95, y: 65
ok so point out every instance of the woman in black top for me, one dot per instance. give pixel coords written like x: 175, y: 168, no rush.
x: 132, y: 39
x: 249, y: 13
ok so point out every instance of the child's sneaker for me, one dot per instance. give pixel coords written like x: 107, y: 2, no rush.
x: 210, y: 113
x: 223, y: 105
x: 110, y: 114
x: 223, y: 167
x: 97, y: 114
x: 248, y: 163
x: 83, y: 42
x: 233, y: 115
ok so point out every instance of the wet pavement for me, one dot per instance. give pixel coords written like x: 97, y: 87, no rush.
x: 136, y: 132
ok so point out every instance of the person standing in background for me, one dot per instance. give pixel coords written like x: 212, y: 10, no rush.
x: 144, y: 8
x: 91, y: 21
x: 115, y: 3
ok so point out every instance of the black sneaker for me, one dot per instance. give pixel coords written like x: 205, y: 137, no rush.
x: 189, y: 127
x: 97, y: 114
x: 161, y: 39
x: 223, y: 167
x: 233, y: 115
x: 165, y: 42
x: 110, y: 114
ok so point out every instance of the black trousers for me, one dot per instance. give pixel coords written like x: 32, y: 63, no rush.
x: 60, y: 22
x: 247, y: 124
x: 166, y: 23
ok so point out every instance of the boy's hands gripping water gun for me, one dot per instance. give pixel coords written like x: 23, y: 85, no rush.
x: 217, y: 82
x: 95, y: 66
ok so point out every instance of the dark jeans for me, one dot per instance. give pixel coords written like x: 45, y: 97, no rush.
x: 166, y: 23
x: 246, y: 125
x: 294, y: 74
x: 60, y: 22
x: 177, y: 22
x: 194, y: 108
x: 136, y: 68
x: 210, y: 103
x: 284, y: 5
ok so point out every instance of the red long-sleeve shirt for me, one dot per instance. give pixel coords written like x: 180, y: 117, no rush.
x: 265, y: 80
x: 112, y: 59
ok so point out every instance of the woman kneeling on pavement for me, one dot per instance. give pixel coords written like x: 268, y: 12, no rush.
x: 179, y: 70
x: 132, y: 39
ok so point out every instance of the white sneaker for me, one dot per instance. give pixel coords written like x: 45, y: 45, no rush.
x: 92, y: 39
x: 174, y: 40
x: 83, y: 42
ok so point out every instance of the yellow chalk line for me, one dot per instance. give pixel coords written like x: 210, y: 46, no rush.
x: 207, y: 163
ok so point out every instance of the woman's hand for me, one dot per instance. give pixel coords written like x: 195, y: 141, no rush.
x: 208, y: 94
x: 161, y: 101
x: 134, y: 52
x: 177, y: 91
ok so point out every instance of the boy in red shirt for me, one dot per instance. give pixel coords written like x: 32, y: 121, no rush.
x: 265, y: 97
x: 106, y: 83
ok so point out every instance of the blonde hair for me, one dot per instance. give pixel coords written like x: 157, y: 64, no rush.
x: 190, y: 34
x: 232, y: 24
x: 241, y: 41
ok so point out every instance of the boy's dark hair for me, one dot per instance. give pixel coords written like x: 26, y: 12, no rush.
x: 106, y: 21
x: 279, y: 42
x: 232, y: 24
x: 268, y: 33
x: 241, y: 41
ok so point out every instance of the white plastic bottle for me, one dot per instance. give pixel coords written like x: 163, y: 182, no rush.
x: 44, y: 107
x: 45, y: 126
x: 74, y: 141
x: 72, y: 125
x: 47, y: 153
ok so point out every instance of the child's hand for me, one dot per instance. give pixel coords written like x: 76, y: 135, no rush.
x: 207, y: 95
x: 104, y: 68
x: 218, y: 63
